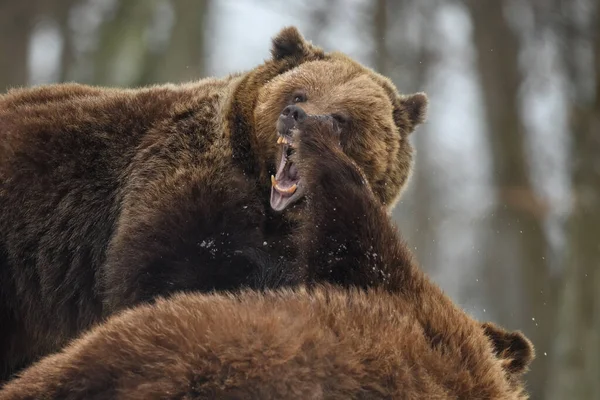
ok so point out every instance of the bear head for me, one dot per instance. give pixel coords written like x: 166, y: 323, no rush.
x: 375, y: 119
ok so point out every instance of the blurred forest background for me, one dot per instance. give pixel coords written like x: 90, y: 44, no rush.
x: 504, y: 207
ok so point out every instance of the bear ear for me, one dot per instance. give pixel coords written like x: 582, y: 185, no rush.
x: 410, y: 111
x: 513, y: 349
x: 288, y: 43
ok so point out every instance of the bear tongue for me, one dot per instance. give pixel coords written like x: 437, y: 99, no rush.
x: 286, y: 177
x: 293, y: 171
x: 278, y: 202
x: 287, y: 174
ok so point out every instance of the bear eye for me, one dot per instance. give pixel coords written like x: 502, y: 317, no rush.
x: 340, y: 118
x: 299, y: 97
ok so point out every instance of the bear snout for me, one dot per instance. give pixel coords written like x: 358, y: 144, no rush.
x: 290, y: 117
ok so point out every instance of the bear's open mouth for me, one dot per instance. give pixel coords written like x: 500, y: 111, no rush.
x: 286, y: 185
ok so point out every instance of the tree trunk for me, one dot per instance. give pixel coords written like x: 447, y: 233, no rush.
x: 516, y: 269
x: 407, y: 63
x: 380, y: 57
x: 121, y: 47
x: 61, y: 13
x: 576, y: 372
x: 184, y: 58
x: 16, y: 20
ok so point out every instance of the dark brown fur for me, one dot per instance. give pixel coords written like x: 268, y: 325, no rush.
x: 111, y: 197
x: 400, y: 337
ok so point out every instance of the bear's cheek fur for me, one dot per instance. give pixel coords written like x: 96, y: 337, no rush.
x: 375, y: 145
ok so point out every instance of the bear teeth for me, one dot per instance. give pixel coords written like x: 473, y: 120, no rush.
x: 289, y: 190
x: 282, y: 140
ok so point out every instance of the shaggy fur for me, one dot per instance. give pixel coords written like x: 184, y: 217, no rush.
x: 399, y: 338
x: 111, y: 197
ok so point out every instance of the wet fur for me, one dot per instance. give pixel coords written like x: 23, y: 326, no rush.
x: 368, y: 324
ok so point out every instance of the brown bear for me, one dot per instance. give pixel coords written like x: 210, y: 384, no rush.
x: 382, y: 331
x: 111, y: 197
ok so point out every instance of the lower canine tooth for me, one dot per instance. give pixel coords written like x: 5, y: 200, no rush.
x: 291, y: 189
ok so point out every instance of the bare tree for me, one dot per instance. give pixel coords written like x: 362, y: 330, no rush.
x: 517, y: 246
x: 16, y: 20
x: 121, y: 47
x: 576, y: 366
x: 406, y: 63
x: 184, y: 57
x: 380, y: 35
x: 61, y: 13
x: 123, y: 44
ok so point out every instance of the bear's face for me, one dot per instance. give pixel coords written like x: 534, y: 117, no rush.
x: 375, y: 121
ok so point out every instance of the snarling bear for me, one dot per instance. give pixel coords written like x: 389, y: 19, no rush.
x: 111, y: 197
x: 365, y: 324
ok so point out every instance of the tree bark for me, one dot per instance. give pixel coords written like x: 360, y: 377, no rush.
x: 517, y: 273
x: 121, y: 48
x: 16, y: 20
x: 576, y: 367
x: 184, y: 58
x: 379, y: 35
x: 61, y: 13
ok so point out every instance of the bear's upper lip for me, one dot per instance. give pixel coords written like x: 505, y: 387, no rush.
x: 286, y: 185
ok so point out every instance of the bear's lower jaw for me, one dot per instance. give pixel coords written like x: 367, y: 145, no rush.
x: 280, y: 200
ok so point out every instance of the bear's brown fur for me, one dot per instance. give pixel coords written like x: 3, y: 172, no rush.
x: 399, y: 338
x: 327, y: 343
x: 110, y: 197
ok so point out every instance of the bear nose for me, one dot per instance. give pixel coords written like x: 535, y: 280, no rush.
x: 294, y: 112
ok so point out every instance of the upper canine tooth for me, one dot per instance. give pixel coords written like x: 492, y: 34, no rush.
x: 273, y: 181
x: 279, y: 140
